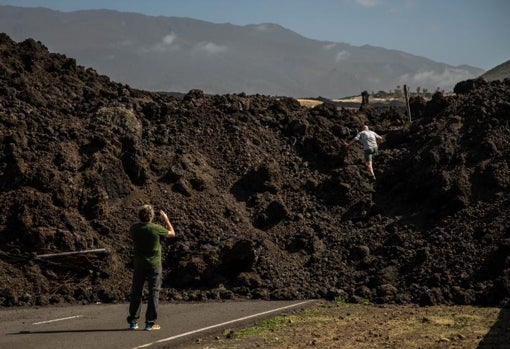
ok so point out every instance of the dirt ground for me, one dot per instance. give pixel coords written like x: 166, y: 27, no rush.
x: 266, y: 199
x: 365, y: 326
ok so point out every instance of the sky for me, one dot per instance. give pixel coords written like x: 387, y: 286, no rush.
x: 455, y: 32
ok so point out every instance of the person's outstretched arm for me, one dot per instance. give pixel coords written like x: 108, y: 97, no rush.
x: 171, y: 231
x: 352, y: 141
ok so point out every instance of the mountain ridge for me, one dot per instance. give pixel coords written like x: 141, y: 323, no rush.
x: 179, y: 54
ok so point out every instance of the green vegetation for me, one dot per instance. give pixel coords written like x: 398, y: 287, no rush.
x: 346, y: 325
x: 398, y: 93
x: 340, y: 299
x: 265, y: 326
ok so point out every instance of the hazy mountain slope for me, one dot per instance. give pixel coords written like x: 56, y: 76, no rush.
x: 179, y: 54
x: 499, y: 72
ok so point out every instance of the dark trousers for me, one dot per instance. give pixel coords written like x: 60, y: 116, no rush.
x: 153, y: 278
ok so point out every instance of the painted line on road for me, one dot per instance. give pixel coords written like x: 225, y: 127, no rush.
x: 222, y: 324
x: 55, y: 320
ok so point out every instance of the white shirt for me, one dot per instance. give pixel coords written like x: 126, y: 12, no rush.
x: 368, y: 139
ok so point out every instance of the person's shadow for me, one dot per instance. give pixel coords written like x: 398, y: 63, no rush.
x: 498, y: 336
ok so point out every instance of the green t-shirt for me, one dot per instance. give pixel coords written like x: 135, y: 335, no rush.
x: 146, y: 244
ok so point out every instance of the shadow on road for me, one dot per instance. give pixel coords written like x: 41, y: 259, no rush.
x: 73, y: 331
x: 499, y: 334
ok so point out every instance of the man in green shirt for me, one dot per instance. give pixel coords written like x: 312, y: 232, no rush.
x: 147, y: 237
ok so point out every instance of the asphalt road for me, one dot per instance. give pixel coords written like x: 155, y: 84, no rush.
x: 101, y: 326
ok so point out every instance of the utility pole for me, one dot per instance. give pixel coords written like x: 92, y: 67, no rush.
x: 407, y: 103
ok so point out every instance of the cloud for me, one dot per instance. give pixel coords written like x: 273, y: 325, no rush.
x: 368, y: 3
x: 209, y: 48
x: 432, y: 79
x: 342, y: 56
x: 265, y: 27
x: 329, y: 46
x: 169, y: 39
x: 167, y: 43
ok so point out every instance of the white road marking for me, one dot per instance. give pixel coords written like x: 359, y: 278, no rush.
x: 61, y: 319
x: 222, y: 324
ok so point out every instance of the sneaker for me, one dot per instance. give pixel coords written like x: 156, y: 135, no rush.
x: 152, y: 326
x: 133, y: 326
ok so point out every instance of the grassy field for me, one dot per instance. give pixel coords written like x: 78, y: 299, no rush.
x: 342, y: 325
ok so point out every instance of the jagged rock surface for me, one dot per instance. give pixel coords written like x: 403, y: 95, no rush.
x: 265, y: 200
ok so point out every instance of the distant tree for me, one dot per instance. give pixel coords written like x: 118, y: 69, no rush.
x: 381, y: 94
x: 418, y: 90
x: 398, y: 92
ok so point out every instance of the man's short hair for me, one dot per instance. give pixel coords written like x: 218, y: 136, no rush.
x: 146, y: 213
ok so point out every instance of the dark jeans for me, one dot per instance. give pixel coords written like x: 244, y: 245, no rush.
x: 153, y: 278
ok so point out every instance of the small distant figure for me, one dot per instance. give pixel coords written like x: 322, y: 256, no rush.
x: 365, y: 105
x: 364, y: 98
x: 369, y: 140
